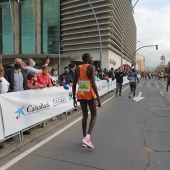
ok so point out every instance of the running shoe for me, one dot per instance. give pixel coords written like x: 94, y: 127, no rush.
x: 85, y: 146
x: 129, y: 96
x: 115, y: 95
x: 88, y: 142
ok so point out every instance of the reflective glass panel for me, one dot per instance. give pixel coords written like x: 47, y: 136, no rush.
x: 7, y: 30
x: 51, y: 26
x: 27, y: 27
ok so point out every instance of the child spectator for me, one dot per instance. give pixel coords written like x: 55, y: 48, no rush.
x: 105, y: 77
x: 32, y: 81
x: 54, y: 76
x: 44, y: 78
x: 63, y: 83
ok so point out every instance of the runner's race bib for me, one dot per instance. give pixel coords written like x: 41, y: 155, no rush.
x: 132, y: 79
x: 84, y: 85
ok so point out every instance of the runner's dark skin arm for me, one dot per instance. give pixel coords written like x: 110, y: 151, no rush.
x: 74, y: 85
x: 91, y: 75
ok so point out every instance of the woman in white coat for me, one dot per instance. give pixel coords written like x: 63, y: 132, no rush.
x: 4, y: 85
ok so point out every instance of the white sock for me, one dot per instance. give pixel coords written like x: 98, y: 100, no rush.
x: 88, y: 136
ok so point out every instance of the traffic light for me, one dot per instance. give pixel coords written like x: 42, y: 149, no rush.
x: 156, y: 47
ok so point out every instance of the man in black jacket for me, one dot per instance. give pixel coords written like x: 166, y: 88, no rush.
x: 119, y: 80
x: 70, y: 76
x: 16, y: 77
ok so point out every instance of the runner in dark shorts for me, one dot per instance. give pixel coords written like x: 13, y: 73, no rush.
x: 87, y: 95
x: 133, y: 78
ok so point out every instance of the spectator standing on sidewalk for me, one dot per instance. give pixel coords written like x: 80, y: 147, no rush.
x: 16, y: 77
x: 70, y: 75
x: 32, y: 81
x: 65, y: 73
x: 119, y: 80
x: 44, y: 77
x: 31, y: 64
x: 111, y: 74
x: 54, y: 76
x: 4, y: 85
x: 64, y: 84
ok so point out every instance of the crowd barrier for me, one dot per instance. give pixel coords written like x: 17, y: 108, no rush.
x: 20, y: 110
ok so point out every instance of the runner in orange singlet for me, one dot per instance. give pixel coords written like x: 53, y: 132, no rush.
x: 87, y: 92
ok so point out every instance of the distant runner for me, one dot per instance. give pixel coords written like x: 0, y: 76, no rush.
x: 87, y: 92
x: 133, y: 78
x: 162, y: 76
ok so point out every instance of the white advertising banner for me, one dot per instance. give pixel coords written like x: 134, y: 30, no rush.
x: 125, y: 80
x: 23, y: 109
x: 2, y: 136
x: 112, y: 84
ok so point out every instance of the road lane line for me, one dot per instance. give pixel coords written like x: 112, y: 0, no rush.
x: 24, y: 154
x: 161, y: 93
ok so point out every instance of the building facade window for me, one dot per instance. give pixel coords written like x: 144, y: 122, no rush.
x: 50, y: 26
x: 7, y: 30
x: 27, y: 27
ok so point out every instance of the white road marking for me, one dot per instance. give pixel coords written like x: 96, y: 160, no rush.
x: 24, y: 154
x: 139, y: 97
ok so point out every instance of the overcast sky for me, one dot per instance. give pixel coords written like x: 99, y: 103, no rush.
x: 152, y: 19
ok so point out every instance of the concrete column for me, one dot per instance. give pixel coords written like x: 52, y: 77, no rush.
x: 16, y: 19
x: 38, y: 27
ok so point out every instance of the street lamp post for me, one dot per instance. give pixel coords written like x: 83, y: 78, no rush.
x: 147, y: 56
x: 59, y: 44
x: 99, y: 34
x: 148, y: 61
x: 141, y: 48
x: 122, y: 38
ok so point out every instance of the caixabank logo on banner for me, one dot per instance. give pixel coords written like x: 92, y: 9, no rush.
x: 20, y: 112
x: 31, y: 109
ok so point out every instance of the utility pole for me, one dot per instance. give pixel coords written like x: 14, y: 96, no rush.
x: 60, y: 45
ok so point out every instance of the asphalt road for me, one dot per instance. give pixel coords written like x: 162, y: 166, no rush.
x: 128, y: 135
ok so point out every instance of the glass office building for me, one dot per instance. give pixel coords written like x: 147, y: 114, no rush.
x: 6, y: 33
x: 51, y: 25
x: 104, y: 28
x: 29, y: 27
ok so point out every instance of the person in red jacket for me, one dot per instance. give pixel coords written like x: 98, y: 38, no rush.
x: 44, y: 78
x: 32, y: 81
